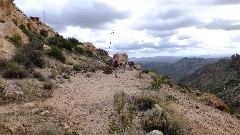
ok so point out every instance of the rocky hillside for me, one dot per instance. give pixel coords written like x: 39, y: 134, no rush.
x: 13, y: 23
x: 179, y: 69
x: 219, y: 78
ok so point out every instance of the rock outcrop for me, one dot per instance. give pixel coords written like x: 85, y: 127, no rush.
x: 121, y: 56
x: 236, y: 62
x: 89, y: 46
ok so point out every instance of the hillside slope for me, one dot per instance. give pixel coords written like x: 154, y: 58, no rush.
x: 218, y: 78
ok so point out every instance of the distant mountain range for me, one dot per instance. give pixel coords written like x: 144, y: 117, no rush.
x: 177, y: 70
x: 172, y: 59
x: 169, y: 59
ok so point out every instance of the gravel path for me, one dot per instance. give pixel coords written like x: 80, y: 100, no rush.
x: 88, y: 101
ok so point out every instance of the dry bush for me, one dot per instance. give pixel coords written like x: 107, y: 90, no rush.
x: 144, y: 102
x: 212, y: 100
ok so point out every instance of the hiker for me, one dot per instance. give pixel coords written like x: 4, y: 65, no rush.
x: 121, y: 66
x: 130, y: 64
x: 124, y: 66
x: 115, y: 66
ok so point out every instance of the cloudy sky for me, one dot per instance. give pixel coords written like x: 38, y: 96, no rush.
x: 144, y: 28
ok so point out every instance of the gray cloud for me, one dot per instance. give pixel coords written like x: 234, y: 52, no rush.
x: 223, y: 24
x: 92, y: 14
x: 226, y: 2
x: 164, y: 45
x: 162, y: 34
x: 168, y: 25
x: 168, y: 19
x: 183, y: 37
x: 133, y: 46
x: 172, y: 13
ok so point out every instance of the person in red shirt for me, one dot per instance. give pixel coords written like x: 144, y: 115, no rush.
x: 115, y: 66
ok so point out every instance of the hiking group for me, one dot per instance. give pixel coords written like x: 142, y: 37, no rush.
x: 120, y: 66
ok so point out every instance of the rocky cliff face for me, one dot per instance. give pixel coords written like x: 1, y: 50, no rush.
x: 10, y: 20
x: 236, y: 62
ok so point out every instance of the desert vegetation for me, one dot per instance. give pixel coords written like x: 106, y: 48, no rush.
x: 144, y: 112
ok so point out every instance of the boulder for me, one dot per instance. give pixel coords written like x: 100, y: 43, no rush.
x: 137, y: 67
x: 13, y: 92
x: 155, y: 132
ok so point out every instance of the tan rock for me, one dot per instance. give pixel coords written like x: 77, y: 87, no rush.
x: 137, y: 67
x: 89, y: 46
x: 6, y: 49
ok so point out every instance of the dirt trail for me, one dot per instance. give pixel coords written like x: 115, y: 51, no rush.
x: 88, y: 101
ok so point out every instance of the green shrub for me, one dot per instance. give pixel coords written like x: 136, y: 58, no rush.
x: 38, y: 75
x: 57, y: 53
x: 3, y: 63
x: 89, y: 53
x: 30, y: 55
x: 132, y: 108
x: 163, y: 122
x: 35, y: 37
x: 77, y: 67
x: 119, y: 101
x: 73, y: 41
x: 16, y: 40
x: 54, y: 73
x: 14, y: 70
x: 114, y: 128
x: 71, y: 133
x: 48, y: 85
x: 24, y: 29
x: 145, y: 102
x: 125, y: 120
x: 108, y: 62
x: 157, y: 83
x: 79, y: 50
x: 60, y: 42
x: 44, y: 33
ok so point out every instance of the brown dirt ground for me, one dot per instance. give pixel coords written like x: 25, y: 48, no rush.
x: 85, y: 102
